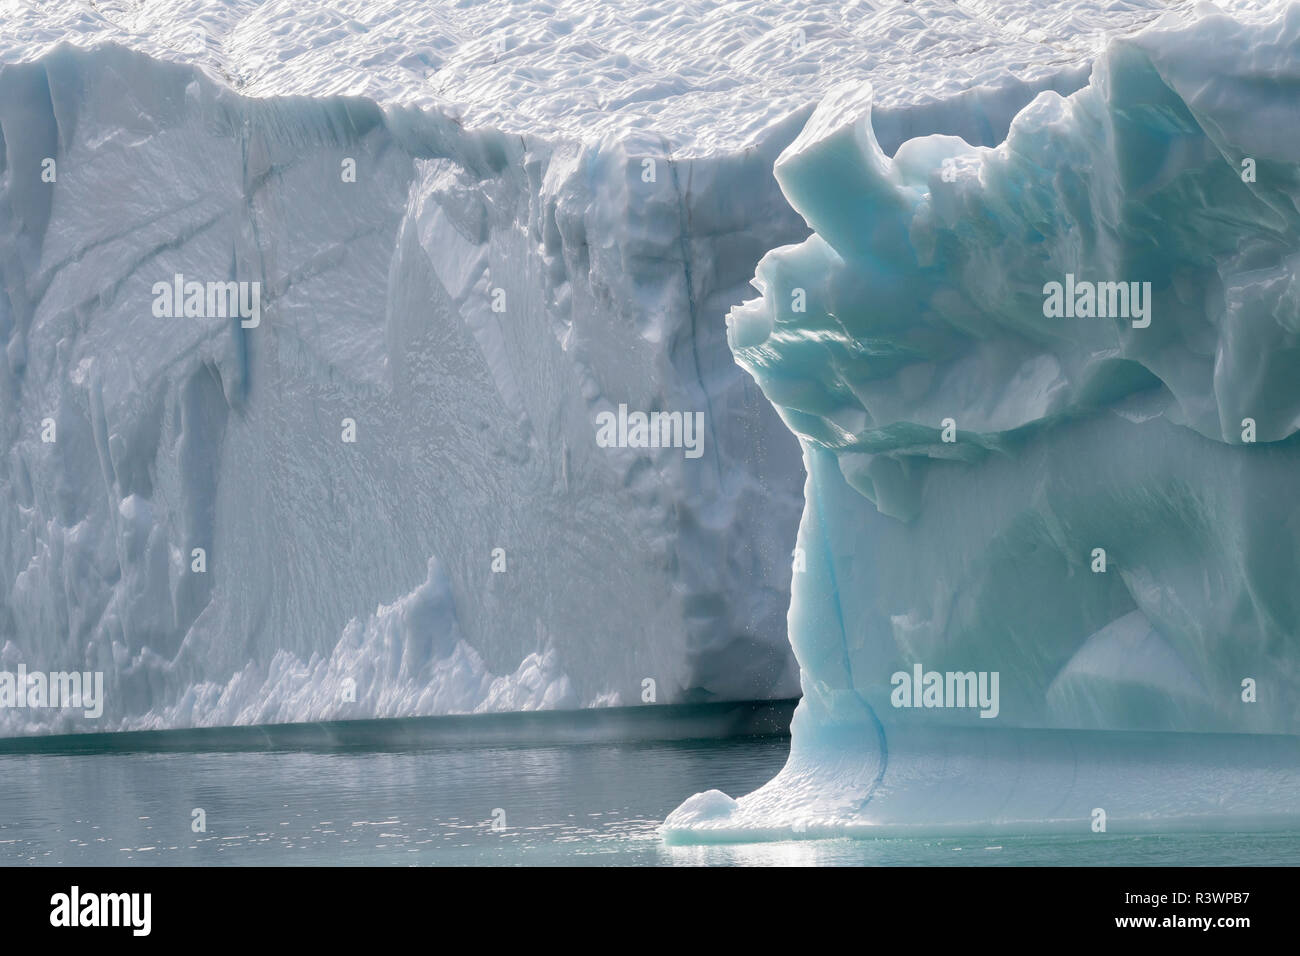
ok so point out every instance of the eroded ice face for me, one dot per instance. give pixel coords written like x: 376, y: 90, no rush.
x: 1090, y: 502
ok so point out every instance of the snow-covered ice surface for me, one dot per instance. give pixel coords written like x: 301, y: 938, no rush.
x: 1161, y: 687
x: 708, y: 77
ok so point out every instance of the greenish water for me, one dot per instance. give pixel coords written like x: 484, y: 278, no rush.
x: 575, y: 804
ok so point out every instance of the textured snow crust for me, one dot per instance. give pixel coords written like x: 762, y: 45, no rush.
x: 707, y: 76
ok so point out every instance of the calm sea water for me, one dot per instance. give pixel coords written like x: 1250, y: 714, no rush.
x: 596, y: 804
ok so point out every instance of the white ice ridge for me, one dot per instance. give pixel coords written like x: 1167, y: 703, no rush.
x: 388, y: 174
x: 1097, y: 512
x: 406, y: 658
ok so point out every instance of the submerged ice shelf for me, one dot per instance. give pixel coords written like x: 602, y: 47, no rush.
x: 389, y: 174
x: 1099, y: 511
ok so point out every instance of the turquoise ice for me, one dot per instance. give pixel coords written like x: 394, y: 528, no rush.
x: 1101, y: 511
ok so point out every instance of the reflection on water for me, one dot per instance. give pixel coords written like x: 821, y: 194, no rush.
x: 596, y: 804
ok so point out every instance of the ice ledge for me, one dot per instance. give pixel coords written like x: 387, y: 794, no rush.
x: 970, y: 782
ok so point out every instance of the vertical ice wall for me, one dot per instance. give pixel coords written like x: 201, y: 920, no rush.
x: 475, y: 429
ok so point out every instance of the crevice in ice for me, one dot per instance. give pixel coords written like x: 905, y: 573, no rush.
x: 684, y: 244
x: 847, y: 658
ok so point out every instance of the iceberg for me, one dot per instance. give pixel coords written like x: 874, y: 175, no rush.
x: 1048, y: 557
x: 312, y: 313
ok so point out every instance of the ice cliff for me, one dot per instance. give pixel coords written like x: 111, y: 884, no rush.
x: 474, y: 230
x: 1086, y: 513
